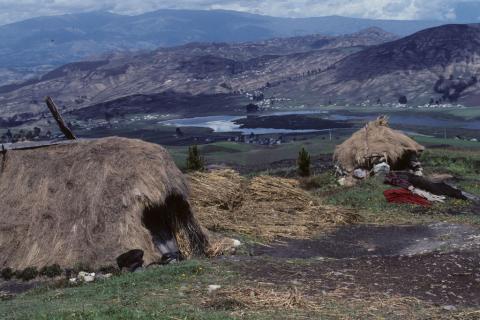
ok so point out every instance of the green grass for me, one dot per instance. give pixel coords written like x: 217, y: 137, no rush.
x: 458, y: 144
x: 161, y: 293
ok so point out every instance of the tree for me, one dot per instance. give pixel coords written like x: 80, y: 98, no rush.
x: 194, y: 159
x: 36, y: 131
x: 402, y: 100
x: 303, y: 163
x: 29, y: 135
x: 252, y: 107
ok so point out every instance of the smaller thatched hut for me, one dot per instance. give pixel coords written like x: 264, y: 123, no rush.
x: 374, y: 144
x: 93, y: 200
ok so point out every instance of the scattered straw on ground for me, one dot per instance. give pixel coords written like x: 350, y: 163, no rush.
x: 264, y: 207
x: 299, y: 302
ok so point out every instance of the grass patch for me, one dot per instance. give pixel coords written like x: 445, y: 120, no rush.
x: 159, y: 293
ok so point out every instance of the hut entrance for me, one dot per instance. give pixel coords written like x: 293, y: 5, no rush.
x: 156, y: 221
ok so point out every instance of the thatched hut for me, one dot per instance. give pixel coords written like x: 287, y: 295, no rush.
x: 374, y: 144
x: 93, y: 200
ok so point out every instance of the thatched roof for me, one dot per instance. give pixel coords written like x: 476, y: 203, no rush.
x: 375, y: 138
x: 87, y: 200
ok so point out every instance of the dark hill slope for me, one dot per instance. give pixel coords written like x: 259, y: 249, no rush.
x: 432, y: 63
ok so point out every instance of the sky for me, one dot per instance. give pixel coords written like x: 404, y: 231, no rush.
x: 445, y: 10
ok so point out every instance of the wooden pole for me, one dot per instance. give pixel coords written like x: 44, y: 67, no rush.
x: 53, y: 109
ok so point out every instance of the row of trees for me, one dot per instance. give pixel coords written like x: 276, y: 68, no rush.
x: 29, y: 135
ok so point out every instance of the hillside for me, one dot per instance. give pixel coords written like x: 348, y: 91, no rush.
x: 439, y: 63
x: 190, y: 69
x: 37, y: 45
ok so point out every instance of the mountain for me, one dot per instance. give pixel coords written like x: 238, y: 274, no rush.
x: 32, y: 46
x: 440, y: 63
x: 190, y: 69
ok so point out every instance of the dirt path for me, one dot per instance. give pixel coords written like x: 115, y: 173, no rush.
x: 370, y: 240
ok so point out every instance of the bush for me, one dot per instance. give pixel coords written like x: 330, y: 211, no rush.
x: 51, y: 271
x: 83, y: 265
x: 28, y: 273
x: 303, y: 163
x: 194, y: 159
x: 7, y: 273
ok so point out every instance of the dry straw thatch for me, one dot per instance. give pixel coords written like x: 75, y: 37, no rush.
x: 264, y: 207
x: 90, y: 200
x: 375, y: 138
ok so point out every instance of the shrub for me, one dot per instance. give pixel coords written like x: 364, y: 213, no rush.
x: 7, y: 273
x: 194, y: 159
x: 28, y: 273
x: 303, y: 163
x: 51, y: 271
x: 83, y: 265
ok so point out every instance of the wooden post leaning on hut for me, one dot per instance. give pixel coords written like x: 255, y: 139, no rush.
x: 53, y: 109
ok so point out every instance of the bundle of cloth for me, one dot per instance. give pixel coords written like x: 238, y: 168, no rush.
x: 421, y: 191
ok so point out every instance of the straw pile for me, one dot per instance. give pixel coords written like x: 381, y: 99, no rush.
x: 375, y: 138
x: 90, y: 200
x: 264, y: 207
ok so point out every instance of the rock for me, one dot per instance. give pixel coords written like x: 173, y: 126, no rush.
x: 88, y: 279
x: 73, y: 281
x: 360, y: 173
x: 236, y: 243
x: 139, y: 269
x: 99, y: 277
x: 341, y: 181
x: 295, y: 282
x: 381, y: 168
x: 108, y: 275
x: 450, y: 308
x: 418, y: 173
x: 213, y: 287
x: 82, y: 274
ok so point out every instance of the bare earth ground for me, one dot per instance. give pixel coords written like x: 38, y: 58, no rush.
x: 437, y: 263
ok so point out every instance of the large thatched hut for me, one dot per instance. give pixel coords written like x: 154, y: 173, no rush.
x: 93, y: 200
x: 377, y: 143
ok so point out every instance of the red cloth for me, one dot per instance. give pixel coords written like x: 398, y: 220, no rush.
x: 405, y: 196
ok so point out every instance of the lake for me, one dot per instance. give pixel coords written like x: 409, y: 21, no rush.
x: 226, y: 124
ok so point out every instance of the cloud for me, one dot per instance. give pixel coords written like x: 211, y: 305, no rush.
x: 16, y: 10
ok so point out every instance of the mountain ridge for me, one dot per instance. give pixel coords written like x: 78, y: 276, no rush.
x: 57, y: 40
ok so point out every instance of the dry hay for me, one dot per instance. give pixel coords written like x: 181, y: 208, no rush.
x: 220, y: 246
x: 264, y: 207
x: 261, y: 298
x: 310, y: 303
x: 375, y: 138
x: 87, y: 200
